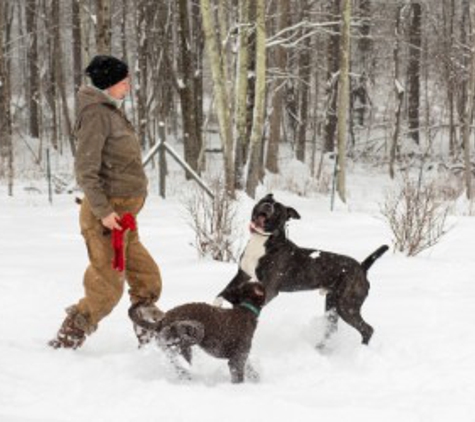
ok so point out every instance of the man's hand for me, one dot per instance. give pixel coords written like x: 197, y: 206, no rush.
x: 111, y: 221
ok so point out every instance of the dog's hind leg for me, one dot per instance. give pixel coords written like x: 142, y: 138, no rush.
x: 331, y: 319
x: 352, y: 316
x: 177, y: 340
x: 177, y: 360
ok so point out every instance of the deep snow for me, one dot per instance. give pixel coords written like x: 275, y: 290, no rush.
x: 420, y: 365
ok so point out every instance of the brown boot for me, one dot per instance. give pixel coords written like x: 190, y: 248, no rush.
x: 72, y: 333
x: 149, y: 313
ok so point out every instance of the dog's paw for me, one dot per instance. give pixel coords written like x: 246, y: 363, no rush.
x: 251, y: 374
x: 320, y: 346
x: 183, y: 375
x: 324, y: 348
x: 218, y: 302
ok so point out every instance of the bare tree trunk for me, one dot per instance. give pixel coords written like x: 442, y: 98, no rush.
x: 142, y: 73
x: 59, y: 74
x: 333, y: 49
x: 197, y: 36
x: 304, y: 93
x: 414, y: 70
x: 6, y: 144
x: 52, y: 91
x: 315, y: 106
x: 34, y: 74
x: 123, y: 29
x: 448, y: 13
x: 304, y: 81
x: 223, y: 32
x: 163, y: 76
x: 221, y: 98
x: 251, y: 80
x: 399, y: 90
x: 87, y: 22
x: 275, y: 124
x: 469, y: 115
x: 464, y: 65
x: 77, y: 48
x: 343, y: 98
x: 362, y: 66
x: 187, y: 91
x: 241, y: 95
x: 259, y: 103
x: 103, y: 26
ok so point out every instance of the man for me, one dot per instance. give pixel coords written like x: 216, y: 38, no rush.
x: 109, y: 169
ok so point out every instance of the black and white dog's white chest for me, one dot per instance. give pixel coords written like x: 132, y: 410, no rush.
x: 254, y: 251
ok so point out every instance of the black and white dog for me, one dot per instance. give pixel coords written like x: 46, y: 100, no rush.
x: 282, y: 266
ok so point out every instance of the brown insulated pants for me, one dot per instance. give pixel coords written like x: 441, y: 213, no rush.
x: 103, y: 285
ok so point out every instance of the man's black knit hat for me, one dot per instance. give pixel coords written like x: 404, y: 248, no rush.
x: 106, y: 71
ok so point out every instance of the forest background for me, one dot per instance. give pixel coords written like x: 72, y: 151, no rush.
x: 256, y: 84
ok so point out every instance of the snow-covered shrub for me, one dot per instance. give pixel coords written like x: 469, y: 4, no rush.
x: 447, y: 180
x: 213, y: 222
x: 416, y: 215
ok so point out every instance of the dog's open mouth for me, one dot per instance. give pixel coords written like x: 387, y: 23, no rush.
x: 258, y: 223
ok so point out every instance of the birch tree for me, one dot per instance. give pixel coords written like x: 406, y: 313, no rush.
x: 220, y: 93
x: 259, y: 103
x: 241, y: 94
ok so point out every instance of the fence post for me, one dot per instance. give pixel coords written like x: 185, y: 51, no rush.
x: 335, y: 172
x: 188, y: 169
x: 48, y: 175
x: 162, y: 161
x: 162, y: 148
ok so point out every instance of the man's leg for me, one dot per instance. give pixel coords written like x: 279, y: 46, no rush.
x: 103, y: 286
x: 144, y: 279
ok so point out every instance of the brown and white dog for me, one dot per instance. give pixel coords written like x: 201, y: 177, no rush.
x: 282, y: 266
x: 222, y: 333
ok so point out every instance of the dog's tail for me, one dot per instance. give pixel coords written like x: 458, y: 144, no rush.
x: 136, y: 316
x: 368, y: 262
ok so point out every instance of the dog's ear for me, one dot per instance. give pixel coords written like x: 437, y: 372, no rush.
x: 292, y: 213
x: 269, y: 196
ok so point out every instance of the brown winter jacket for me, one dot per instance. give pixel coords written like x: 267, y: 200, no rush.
x: 108, y: 159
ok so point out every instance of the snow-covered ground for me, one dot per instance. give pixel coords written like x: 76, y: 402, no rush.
x: 420, y: 365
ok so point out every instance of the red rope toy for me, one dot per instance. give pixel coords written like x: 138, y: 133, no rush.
x: 127, y: 222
